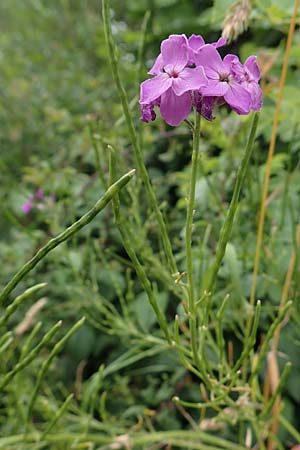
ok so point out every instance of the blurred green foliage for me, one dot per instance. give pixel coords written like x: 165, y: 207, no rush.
x: 58, y: 103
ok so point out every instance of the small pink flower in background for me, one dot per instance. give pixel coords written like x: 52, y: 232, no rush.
x: 39, y: 195
x: 189, y: 73
x: 27, y: 206
x: 38, y: 201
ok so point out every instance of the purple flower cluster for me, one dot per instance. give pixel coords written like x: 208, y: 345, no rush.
x: 190, y: 73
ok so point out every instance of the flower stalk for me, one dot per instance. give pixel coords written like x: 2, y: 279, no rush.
x: 188, y: 240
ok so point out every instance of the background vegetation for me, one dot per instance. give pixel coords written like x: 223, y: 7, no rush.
x: 58, y: 111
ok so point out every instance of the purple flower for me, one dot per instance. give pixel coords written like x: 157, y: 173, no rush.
x: 222, y: 82
x: 172, y: 83
x: 189, y: 73
x: 27, y: 206
x: 248, y: 75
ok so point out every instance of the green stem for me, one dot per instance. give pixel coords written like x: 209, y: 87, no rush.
x: 197, y: 438
x: 276, y: 393
x: 69, y: 232
x: 190, y: 214
x: 99, y: 168
x: 265, y: 346
x: 211, y: 274
x: 46, y: 364
x: 289, y: 427
x: 214, y: 405
x: 19, y: 300
x: 57, y: 416
x: 188, y: 241
x: 185, y: 362
x: 127, y: 242
x: 31, y: 355
x: 133, y: 137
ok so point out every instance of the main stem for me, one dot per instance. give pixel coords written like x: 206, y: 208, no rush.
x: 188, y: 240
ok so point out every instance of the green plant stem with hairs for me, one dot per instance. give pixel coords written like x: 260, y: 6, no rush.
x: 188, y: 242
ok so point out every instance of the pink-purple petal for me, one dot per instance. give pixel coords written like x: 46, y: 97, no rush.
x: 174, y: 52
x: 189, y: 80
x: 238, y: 71
x: 147, y: 113
x: 256, y: 94
x: 209, y: 58
x: 253, y: 67
x: 215, y: 88
x: 174, y: 109
x: 230, y: 59
x: 238, y: 98
x: 204, y: 105
x: 220, y: 42
x: 154, y: 87
x: 196, y: 42
x: 157, y: 66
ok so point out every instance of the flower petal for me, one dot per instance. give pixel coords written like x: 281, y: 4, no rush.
x: 157, y: 66
x: 153, y: 88
x: 209, y: 58
x: 238, y: 98
x: 253, y: 67
x: 237, y: 69
x: 220, y: 42
x: 188, y: 80
x: 196, y: 42
x: 215, y: 88
x: 174, y: 52
x: 256, y: 94
x: 147, y: 113
x: 204, y: 105
x: 230, y: 59
x: 174, y: 109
